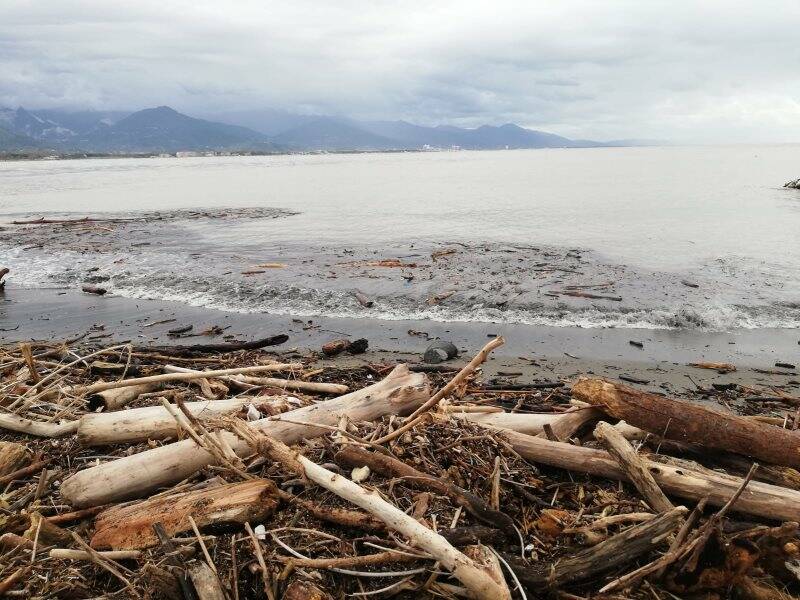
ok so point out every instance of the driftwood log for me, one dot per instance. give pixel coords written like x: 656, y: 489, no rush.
x: 687, y: 422
x: 137, y: 475
x: 758, y: 499
x: 275, y: 340
x: 130, y: 527
x: 618, y: 550
x: 156, y: 423
x: 564, y: 425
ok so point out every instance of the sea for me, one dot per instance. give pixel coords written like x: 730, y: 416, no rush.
x: 701, y: 237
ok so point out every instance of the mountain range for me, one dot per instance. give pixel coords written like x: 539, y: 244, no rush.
x: 163, y: 129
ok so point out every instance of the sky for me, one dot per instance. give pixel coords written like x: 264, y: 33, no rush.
x: 688, y: 71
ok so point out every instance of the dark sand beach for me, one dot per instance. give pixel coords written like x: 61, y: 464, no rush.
x: 534, y: 352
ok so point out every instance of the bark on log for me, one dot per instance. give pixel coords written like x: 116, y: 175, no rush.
x: 758, y: 499
x: 155, y: 422
x: 139, y: 474
x: 131, y: 527
x: 117, y: 398
x: 633, y: 465
x: 687, y: 422
x: 13, y: 457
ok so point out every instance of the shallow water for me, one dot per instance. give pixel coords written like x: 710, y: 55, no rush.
x: 633, y: 222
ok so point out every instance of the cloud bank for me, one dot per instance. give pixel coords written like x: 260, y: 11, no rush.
x: 715, y: 71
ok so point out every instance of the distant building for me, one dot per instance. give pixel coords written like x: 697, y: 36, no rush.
x: 186, y: 153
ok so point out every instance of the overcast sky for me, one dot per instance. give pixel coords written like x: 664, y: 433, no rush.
x: 698, y: 71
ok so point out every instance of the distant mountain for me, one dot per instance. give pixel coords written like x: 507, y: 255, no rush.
x: 11, y: 142
x: 330, y: 133
x: 30, y: 125
x: 163, y: 129
x: 82, y: 121
x: 269, y: 121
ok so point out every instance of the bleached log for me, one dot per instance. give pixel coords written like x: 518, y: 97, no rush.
x: 564, y: 424
x: 758, y: 499
x: 155, y: 423
x: 13, y: 422
x: 137, y: 475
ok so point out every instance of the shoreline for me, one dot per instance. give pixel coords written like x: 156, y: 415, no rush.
x: 534, y: 352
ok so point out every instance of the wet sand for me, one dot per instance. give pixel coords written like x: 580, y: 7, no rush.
x: 531, y: 353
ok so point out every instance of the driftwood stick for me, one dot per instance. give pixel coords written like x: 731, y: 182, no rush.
x: 662, y: 562
x: 462, y: 567
x: 416, y: 417
x: 688, y: 422
x: 25, y: 471
x: 294, y: 384
x: 205, y: 581
x: 137, y: 475
x: 354, y: 456
x: 111, y: 385
x: 70, y: 554
x: 759, y: 499
x: 633, y: 465
x: 37, y: 428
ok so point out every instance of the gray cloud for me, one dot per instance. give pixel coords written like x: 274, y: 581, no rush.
x: 712, y: 71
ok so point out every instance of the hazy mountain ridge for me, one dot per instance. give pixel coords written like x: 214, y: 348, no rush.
x: 164, y: 129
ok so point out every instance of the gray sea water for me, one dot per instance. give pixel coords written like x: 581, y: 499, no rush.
x: 526, y: 229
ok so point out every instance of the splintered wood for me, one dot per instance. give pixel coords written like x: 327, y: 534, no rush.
x: 224, y: 472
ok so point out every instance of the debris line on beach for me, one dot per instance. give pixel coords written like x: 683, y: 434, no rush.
x: 231, y: 471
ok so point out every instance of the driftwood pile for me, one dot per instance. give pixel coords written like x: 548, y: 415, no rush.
x: 231, y: 474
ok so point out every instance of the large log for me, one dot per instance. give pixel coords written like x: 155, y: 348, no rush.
x: 155, y: 422
x: 130, y: 527
x: 758, y: 499
x: 137, y: 475
x: 687, y: 422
